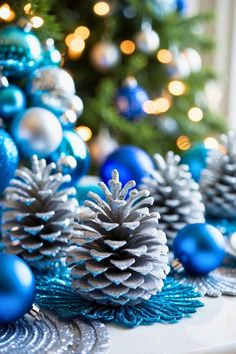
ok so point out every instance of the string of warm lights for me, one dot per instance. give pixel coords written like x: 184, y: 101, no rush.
x: 84, y: 132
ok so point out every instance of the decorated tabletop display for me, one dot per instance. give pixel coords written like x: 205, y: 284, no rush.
x: 70, y: 259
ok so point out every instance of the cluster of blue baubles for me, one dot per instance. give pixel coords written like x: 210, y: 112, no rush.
x: 38, y: 105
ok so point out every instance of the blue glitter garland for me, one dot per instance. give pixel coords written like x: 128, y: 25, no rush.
x: 169, y: 306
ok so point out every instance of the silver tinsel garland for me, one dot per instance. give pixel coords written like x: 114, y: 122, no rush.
x: 52, y: 335
x: 221, y: 281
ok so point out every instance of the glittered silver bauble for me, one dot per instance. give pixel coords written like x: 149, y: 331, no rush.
x: 179, y: 67
x: 147, y: 40
x: 104, y: 55
x: 50, y: 78
x: 119, y: 255
x: 218, y: 180
x: 38, y: 214
x: 37, y: 131
x: 176, y: 195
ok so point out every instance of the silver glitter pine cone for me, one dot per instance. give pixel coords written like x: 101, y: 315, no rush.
x: 176, y: 195
x: 38, y: 215
x: 120, y: 255
x: 218, y: 181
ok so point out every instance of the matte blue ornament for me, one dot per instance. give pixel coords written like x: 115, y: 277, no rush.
x: 51, y: 56
x: 173, y: 303
x: 195, y: 158
x: 131, y: 163
x: 9, y: 159
x: 200, y: 248
x: 72, y: 156
x: 130, y: 99
x: 12, y: 101
x: 17, y: 288
x: 20, y: 51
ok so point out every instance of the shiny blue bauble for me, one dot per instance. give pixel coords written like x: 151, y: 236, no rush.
x: 12, y: 101
x: 17, y: 288
x: 200, y: 248
x: 20, y: 51
x: 72, y: 156
x: 51, y: 55
x: 9, y: 159
x: 131, y: 163
x: 130, y: 99
x: 196, y: 159
x: 181, y: 5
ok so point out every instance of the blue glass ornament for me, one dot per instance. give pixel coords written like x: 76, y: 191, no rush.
x: 72, y: 156
x: 20, y: 51
x: 51, y: 56
x: 195, y: 158
x: 36, y: 131
x: 181, y: 5
x: 9, y: 159
x: 130, y: 99
x: 88, y: 184
x: 173, y: 303
x: 131, y: 163
x: 200, y: 248
x: 12, y: 101
x: 17, y: 288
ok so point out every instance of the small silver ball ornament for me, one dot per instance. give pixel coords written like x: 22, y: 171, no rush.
x: 147, y: 40
x: 104, y: 55
x: 37, y: 131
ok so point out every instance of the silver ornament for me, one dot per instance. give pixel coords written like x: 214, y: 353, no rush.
x: 147, y: 40
x: 37, y: 131
x: 219, y: 178
x: 50, y: 78
x: 221, y: 281
x: 120, y: 255
x: 38, y: 215
x: 52, y: 335
x: 104, y: 55
x: 101, y: 146
x: 194, y: 59
x: 176, y: 195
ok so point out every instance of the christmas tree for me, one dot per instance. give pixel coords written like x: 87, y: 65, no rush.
x: 150, y: 47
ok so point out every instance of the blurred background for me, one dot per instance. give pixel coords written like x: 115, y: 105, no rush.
x: 158, y: 75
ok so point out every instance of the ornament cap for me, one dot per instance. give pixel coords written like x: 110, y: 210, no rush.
x: 24, y: 24
x: 130, y: 81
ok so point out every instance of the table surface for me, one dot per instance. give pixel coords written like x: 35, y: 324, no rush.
x: 212, y: 330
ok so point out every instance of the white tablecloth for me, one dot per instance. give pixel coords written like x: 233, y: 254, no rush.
x: 212, y: 330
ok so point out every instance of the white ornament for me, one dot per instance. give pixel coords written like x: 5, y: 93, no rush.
x: 147, y: 40
x: 104, y: 55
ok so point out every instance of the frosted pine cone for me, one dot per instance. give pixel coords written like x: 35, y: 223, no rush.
x: 218, y: 182
x: 38, y: 215
x: 176, y: 195
x: 120, y: 256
